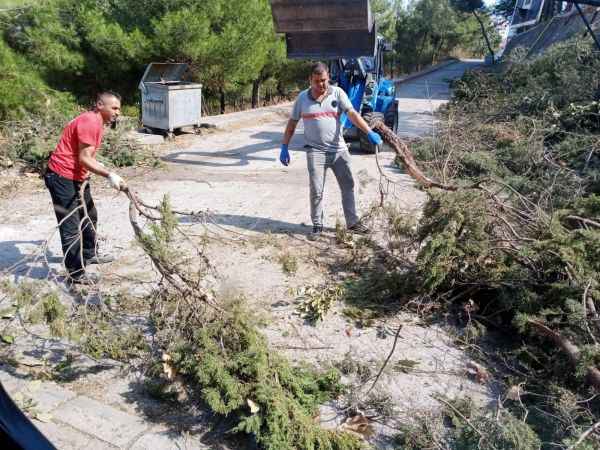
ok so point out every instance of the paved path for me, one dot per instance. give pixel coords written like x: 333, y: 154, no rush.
x: 420, y: 97
x: 107, y: 409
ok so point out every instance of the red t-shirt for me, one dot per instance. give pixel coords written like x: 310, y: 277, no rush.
x: 87, y: 128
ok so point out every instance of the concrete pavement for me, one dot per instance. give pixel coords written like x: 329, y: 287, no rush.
x: 420, y: 97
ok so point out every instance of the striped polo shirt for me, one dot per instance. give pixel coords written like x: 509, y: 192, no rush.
x: 322, y: 127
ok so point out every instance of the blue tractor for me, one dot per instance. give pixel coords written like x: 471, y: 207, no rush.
x: 344, y: 33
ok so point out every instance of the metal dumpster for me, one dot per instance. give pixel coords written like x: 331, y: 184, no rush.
x: 168, y: 102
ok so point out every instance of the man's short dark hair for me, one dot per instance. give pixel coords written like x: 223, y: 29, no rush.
x: 102, y: 95
x: 319, y: 68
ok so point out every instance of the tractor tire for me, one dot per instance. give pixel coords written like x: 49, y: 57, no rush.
x: 390, y: 115
x: 365, y: 145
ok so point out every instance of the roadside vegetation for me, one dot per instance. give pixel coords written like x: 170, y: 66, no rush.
x: 511, y: 255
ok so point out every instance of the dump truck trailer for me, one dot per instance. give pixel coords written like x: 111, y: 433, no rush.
x: 343, y: 33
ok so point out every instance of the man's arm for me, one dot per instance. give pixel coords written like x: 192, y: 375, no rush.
x: 358, y: 121
x: 89, y: 162
x: 284, y: 154
x: 289, y: 131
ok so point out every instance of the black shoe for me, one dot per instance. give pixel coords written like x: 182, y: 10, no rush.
x: 99, y: 259
x: 316, y: 232
x: 87, y: 279
x: 359, y: 228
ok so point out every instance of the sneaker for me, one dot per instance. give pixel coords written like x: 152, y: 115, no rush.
x: 87, y: 279
x: 99, y: 259
x: 359, y: 228
x: 316, y: 232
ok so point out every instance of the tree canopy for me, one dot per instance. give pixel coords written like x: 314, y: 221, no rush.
x: 82, y: 46
x: 431, y: 30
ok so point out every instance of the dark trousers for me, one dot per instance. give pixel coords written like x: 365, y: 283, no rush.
x: 73, y: 225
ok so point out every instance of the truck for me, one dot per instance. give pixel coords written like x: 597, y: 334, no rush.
x: 344, y: 34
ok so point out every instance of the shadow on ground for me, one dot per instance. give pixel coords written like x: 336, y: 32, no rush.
x: 235, y: 157
x: 30, y: 265
x: 185, y: 416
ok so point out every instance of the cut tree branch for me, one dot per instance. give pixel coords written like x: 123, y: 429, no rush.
x: 407, y: 157
x: 570, y: 349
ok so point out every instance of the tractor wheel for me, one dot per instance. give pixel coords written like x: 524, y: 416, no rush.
x: 365, y: 145
x: 390, y: 115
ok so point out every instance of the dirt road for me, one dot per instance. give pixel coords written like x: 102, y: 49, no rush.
x: 259, y: 213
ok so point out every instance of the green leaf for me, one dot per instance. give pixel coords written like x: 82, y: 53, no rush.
x: 7, y: 339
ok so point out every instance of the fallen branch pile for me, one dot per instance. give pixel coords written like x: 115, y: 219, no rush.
x: 511, y: 242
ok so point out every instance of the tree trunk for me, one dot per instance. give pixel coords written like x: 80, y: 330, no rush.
x: 485, y: 36
x: 437, y: 51
x: 420, y: 52
x: 255, y: 93
x: 222, y: 95
x: 570, y: 349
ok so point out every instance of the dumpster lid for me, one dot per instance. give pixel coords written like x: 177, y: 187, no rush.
x: 165, y: 72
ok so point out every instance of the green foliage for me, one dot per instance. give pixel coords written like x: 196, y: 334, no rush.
x: 522, y: 245
x: 431, y: 30
x: 239, y: 377
x: 100, y: 44
x: 467, y: 5
x: 20, y: 80
x: 157, y: 241
x: 505, y: 432
x: 421, y: 434
x: 120, y: 150
x: 106, y: 341
x: 316, y: 301
x: 289, y: 263
x: 54, y: 314
x: 457, y: 249
x: 82, y: 47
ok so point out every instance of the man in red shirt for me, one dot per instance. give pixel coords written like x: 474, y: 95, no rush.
x: 68, y: 168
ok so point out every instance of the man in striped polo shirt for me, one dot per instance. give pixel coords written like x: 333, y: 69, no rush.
x: 320, y: 107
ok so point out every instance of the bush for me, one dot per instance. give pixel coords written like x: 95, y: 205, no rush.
x: 505, y: 432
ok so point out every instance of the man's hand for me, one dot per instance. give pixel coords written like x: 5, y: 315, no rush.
x: 116, y: 181
x: 374, y: 138
x: 284, y: 155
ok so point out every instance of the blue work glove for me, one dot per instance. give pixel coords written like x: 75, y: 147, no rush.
x: 284, y: 155
x: 374, y: 138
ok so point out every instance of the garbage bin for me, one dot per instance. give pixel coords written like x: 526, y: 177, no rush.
x: 168, y: 102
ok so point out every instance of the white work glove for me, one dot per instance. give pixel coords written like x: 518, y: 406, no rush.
x: 116, y: 181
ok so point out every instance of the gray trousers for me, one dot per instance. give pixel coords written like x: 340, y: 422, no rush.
x: 318, y: 162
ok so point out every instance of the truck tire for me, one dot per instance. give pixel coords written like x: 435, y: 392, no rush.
x: 365, y: 145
